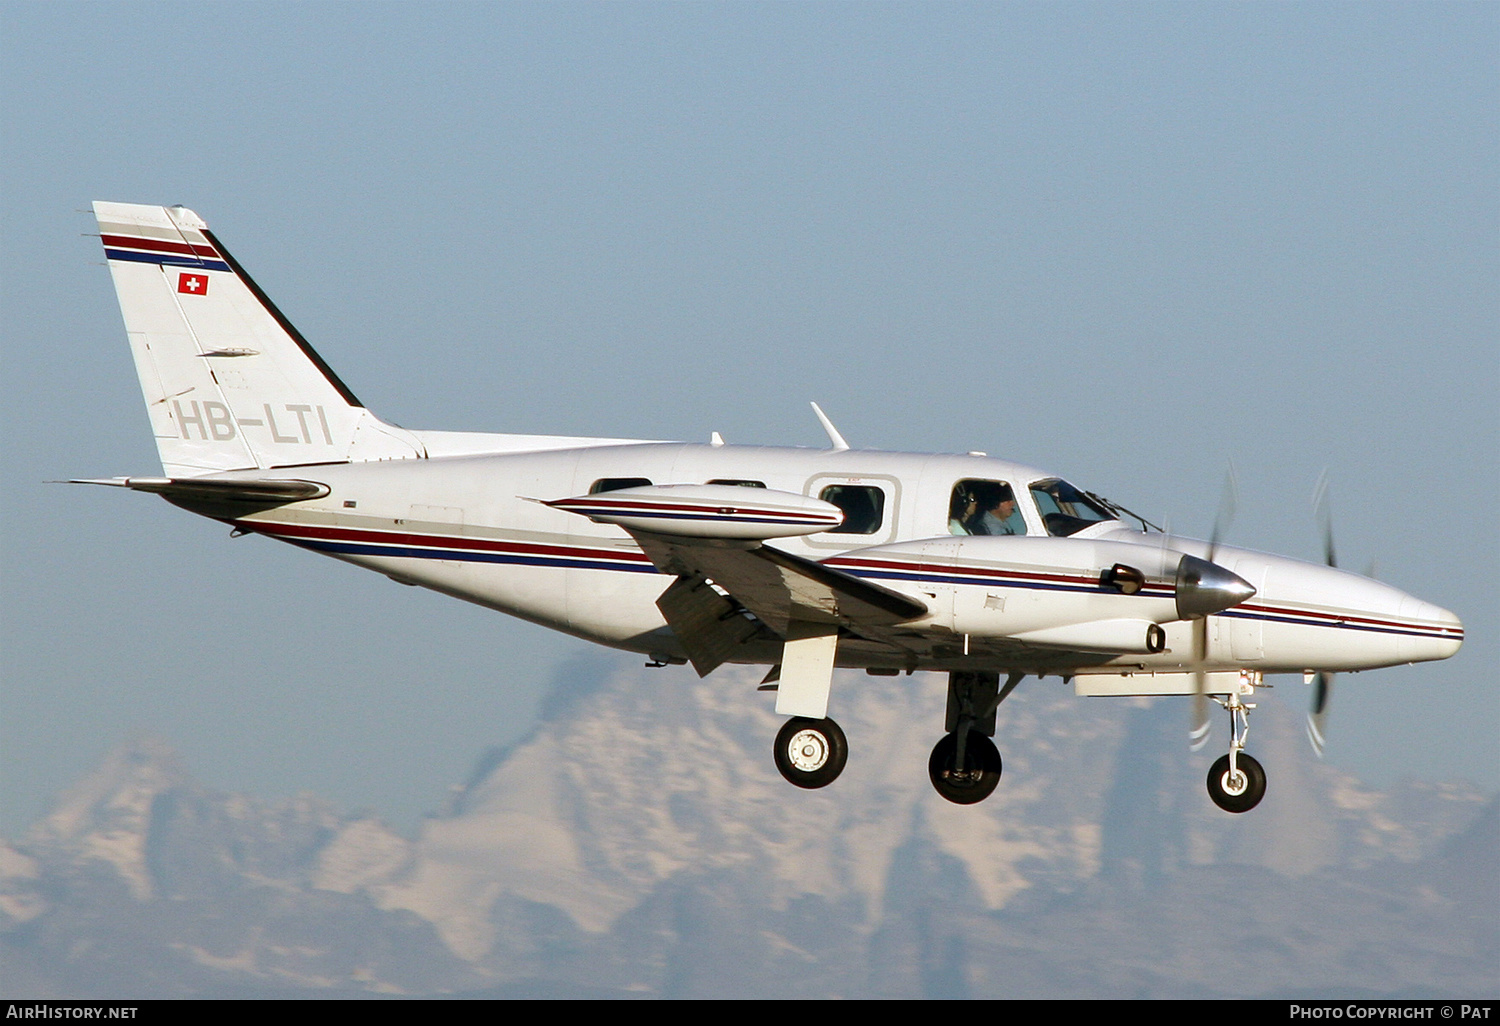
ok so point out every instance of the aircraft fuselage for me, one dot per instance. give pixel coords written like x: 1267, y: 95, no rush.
x: 469, y: 527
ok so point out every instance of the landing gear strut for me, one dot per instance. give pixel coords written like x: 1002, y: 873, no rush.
x: 811, y: 753
x: 1237, y: 782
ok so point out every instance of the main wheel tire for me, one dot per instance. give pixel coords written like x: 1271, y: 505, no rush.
x: 973, y: 782
x: 1244, y: 791
x: 811, y: 753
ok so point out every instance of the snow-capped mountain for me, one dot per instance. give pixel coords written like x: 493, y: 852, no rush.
x: 641, y: 842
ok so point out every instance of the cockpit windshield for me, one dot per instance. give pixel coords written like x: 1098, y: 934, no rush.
x: 1067, y: 510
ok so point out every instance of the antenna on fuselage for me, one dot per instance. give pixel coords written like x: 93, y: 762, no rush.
x: 833, y: 432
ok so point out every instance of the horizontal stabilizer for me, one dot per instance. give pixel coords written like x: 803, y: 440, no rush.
x: 195, y: 491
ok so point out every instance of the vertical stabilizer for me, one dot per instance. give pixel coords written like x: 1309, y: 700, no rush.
x: 229, y: 383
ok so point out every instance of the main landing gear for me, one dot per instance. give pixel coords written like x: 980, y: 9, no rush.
x: 1237, y: 782
x: 965, y: 765
x: 811, y: 753
x: 965, y: 768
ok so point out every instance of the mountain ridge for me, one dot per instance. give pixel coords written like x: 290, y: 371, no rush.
x: 639, y: 843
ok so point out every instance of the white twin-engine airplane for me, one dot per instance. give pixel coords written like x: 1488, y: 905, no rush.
x: 798, y: 559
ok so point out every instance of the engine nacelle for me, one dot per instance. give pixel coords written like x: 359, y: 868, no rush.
x: 1088, y: 594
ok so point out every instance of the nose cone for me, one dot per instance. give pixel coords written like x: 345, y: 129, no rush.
x: 1205, y: 588
x: 1432, y: 631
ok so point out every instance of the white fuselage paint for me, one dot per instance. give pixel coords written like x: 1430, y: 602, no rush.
x: 469, y: 526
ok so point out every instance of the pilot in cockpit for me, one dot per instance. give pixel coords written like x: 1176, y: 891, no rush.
x: 999, y: 515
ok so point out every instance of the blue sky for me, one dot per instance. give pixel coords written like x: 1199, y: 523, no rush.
x: 1127, y: 242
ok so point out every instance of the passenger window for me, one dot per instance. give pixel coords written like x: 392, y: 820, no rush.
x: 863, y: 506
x: 984, y: 507
x: 614, y: 484
x: 737, y: 481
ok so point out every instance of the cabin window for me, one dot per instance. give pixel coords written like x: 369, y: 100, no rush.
x: 737, y: 481
x: 984, y: 507
x: 1067, y: 510
x: 863, y: 506
x: 614, y: 484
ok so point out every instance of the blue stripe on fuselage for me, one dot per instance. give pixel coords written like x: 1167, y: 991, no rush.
x: 466, y: 555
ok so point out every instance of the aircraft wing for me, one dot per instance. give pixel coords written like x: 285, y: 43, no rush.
x: 717, y: 533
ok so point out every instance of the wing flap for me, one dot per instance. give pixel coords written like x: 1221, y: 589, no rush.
x: 709, y: 626
x: 780, y: 588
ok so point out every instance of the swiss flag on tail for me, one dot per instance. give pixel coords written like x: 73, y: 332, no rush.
x: 193, y: 284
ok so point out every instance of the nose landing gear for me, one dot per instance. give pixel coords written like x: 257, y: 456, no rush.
x: 1237, y: 782
x: 1239, y: 789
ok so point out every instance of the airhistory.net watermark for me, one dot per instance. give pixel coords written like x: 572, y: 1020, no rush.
x: 51, y: 1010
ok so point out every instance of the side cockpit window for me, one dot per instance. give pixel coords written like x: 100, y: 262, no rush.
x: 863, y: 506
x: 614, y: 484
x: 1067, y: 510
x: 984, y: 507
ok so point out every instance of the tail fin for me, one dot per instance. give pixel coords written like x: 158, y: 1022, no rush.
x: 229, y: 383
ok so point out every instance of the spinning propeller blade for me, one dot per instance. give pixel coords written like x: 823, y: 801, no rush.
x: 1198, y: 728
x: 1317, y: 715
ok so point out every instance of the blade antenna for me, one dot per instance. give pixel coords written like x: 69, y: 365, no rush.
x: 833, y: 433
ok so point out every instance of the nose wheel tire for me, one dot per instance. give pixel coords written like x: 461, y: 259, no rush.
x: 1239, y: 793
x: 973, y: 782
x: 811, y: 753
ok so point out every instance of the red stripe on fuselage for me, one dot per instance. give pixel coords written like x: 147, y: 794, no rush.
x: 1339, y: 619
x: 1000, y: 576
